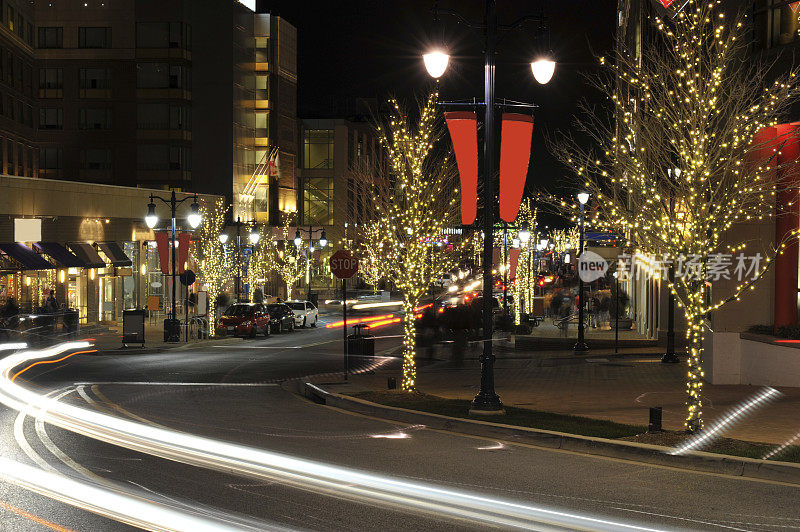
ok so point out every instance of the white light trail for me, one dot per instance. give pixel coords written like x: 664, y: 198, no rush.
x: 708, y: 435
x: 363, y: 306
x: 300, y: 473
x: 781, y: 447
x: 13, y: 346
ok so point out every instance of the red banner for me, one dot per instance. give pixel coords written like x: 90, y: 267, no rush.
x: 162, y: 241
x: 183, y: 250
x: 513, y: 259
x: 515, y: 152
x: 463, y: 127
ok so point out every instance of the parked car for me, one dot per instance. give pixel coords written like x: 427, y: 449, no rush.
x: 245, y: 319
x: 281, y: 317
x: 305, y: 313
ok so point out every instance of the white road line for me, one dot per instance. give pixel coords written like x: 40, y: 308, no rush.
x: 144, y: 383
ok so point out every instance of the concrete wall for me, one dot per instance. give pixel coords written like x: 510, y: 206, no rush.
x: 731, y: 359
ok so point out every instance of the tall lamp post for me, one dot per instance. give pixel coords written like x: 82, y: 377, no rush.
x: 253, y: 237
x: 580, y: 345
x: 298, y: 241
x: 172, y: 330
x: 436, y: 61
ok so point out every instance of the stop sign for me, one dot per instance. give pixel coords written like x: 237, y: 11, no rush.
x: 343, y: 265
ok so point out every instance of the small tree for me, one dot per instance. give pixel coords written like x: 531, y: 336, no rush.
x: 371, y: 263
x: 414, y: 203
x: 286, y: 259
x: 261, y: 263
x: 212, y: 256
x: 677, y: 165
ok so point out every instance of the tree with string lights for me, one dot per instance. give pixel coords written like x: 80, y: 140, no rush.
x: 679, y: 163
x: 414, y: 203
x: 261, y: 263
x: 284, y: 256
x: 213, y: 270
x: 371, y: 263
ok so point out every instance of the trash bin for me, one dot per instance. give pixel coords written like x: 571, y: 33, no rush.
x: 360, y: 343
x: 133, y: 327
x: 70, y: 321
x: 172, y: 330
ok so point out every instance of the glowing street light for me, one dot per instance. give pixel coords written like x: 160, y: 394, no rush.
x: 436, y: 63
x: 543, y: 69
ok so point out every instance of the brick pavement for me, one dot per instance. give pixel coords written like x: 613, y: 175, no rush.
x: 605, y: 387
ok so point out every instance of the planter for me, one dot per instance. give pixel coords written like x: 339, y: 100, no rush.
x: 624, y: 324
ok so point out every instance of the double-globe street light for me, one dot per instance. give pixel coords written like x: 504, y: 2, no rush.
x: 172, y: 330
x: 253, y: 237
x: 436, y: 62
x: 298, y: 241
x: 580, y: 345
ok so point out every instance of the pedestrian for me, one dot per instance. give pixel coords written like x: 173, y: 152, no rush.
x: 51, y: 305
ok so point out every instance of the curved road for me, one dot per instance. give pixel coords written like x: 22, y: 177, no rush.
x: 232, y: 393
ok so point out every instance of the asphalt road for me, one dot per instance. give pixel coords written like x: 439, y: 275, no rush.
x: 232, y: 393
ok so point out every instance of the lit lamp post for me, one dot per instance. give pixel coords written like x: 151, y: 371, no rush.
x: 253, y: 237
x: 487, y: 401
x: 580, y: 345
x: 172, y: 329
x: 298, y: 241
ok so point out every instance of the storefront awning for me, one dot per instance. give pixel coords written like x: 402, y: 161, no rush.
x: 60, y: 254
x: 25, y: 256
x: 115, y: 254
x: 87, y: 254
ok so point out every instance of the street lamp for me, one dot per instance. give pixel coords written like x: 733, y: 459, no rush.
x: 543, y: 69
x: 580, y: 345
x: 172, y: 332
x: 298, y: 241
x: 436, y: 62
x: 254, y: 236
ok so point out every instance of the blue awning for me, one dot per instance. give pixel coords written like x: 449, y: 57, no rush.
x: 87, y: 254
x: 25, y: 256
x: 59, y: 253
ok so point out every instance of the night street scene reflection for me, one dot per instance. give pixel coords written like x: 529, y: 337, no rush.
x: 398, y: 265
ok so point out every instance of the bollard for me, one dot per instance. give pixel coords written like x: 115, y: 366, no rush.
x: 655, y: 419
x: 391, y: 383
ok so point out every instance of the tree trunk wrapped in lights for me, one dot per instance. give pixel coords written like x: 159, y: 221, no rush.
x: 415, y: 200
x: 677, y: 164
x: 212, y: 257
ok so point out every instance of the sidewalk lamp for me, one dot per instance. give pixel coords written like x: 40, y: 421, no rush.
x: 171, y: 327
x: 298, y: 241
x: 580, y: 345
x: 436, y: 62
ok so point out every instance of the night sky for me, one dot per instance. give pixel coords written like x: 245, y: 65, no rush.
x: 373, y: 49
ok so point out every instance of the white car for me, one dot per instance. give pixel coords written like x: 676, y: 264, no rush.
x: 305, y: 313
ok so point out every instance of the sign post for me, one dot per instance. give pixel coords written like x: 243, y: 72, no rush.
x: 344, y: 266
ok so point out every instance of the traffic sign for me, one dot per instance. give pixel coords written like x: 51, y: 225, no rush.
x: 343, y: 264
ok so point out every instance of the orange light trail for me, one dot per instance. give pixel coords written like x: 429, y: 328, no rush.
x: 385, y: 322
x: 34, y: 518
x: 20, y: 372
x: 358, y: 320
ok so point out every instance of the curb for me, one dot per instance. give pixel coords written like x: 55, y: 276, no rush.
x: 637, y: 452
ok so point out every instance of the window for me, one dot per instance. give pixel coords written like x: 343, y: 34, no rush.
x: 94, y: 37
x: 96, y: 159
x: 179, y: 77
x: 95, y: 118
x: 180, y: 118
x: 10, y: 151
x: 159, y: 35
x: 152, y: 157
x: 318, y: 201
x: 262, y: 49
x: 10, y: 107
x: 95, y: 83
x: 152, y: 75
x: 50, y: 37
x: 50, y: 158
x: 777, y: 22
x: 152, y: 116
x: 262, y: 125
x: 318, y: 148
x: 51, y: 83
x: 9, y: 67
x: 262, y: 87
x: 180, y: 158
x: 51, y: 118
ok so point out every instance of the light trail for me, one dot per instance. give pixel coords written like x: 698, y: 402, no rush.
x: 250, y: 462
x: 353, y: 321
x: 708, y: 435
x: 782, y: 447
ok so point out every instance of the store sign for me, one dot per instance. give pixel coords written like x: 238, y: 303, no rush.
x: 27, y: 230
x: 591, y: 266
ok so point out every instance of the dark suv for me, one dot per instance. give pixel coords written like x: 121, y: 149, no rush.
x: 281, y: 317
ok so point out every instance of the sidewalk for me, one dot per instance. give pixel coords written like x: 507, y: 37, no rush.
x: 108, y: 339
x: 603, y: 386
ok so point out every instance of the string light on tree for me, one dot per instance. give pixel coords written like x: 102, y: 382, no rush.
x: 680, y: 164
